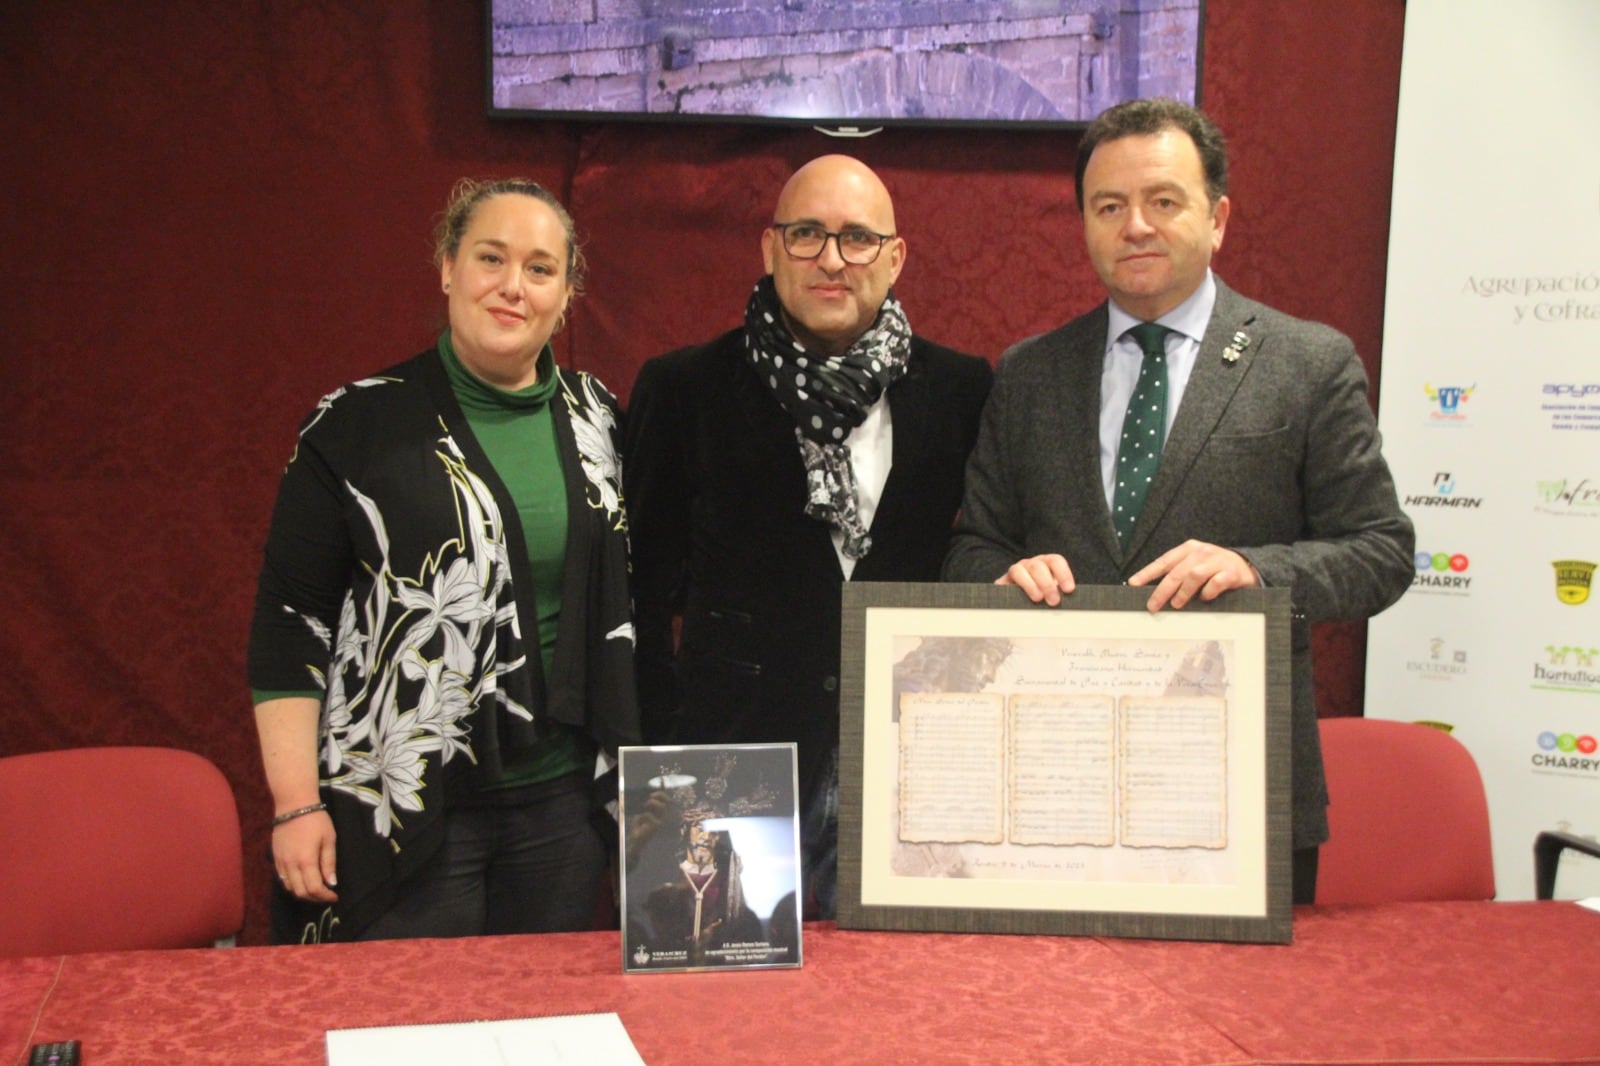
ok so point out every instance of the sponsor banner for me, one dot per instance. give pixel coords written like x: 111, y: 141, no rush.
x: 1493, y: 333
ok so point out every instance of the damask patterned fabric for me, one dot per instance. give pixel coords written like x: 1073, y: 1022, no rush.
x: 147, y: 405
x: 396, y: 581
x: 1406, y: 983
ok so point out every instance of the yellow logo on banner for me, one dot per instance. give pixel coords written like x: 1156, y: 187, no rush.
x: 1573, y: 578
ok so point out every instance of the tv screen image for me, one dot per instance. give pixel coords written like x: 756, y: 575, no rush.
x: 848, y: 64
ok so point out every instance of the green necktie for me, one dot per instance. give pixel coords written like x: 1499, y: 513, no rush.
x: 1143, y: 429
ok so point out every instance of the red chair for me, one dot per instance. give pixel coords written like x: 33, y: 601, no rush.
x: 1407, y: 815
x: 106, y: 849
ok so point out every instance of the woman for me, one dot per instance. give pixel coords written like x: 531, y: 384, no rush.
x: 441, y: 655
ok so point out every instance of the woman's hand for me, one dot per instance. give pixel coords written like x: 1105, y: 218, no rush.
x: 302, y: 847
x: 303, y: 853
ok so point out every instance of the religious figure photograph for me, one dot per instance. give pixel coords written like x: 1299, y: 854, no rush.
x: 710, y: 857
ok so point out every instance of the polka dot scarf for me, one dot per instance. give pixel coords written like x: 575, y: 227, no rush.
x: 827, y: 398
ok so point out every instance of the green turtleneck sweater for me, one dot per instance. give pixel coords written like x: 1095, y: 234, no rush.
x: 517, y: 433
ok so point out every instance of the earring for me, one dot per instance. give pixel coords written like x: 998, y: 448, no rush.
x: 447, y: 286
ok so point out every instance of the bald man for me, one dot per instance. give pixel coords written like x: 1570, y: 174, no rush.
x: 820, y: 443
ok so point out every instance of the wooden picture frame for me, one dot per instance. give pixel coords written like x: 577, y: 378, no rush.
x: 1007, y: 767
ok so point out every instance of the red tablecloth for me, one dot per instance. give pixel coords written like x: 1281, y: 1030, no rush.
x: 1444, y: 982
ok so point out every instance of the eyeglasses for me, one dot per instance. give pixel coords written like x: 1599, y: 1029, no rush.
x: 857, y: 244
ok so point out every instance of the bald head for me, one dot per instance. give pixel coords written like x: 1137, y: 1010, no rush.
x: 828, y: 303
x: 840, y: 176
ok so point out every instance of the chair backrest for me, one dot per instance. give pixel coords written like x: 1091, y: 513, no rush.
x: 1407, y: 815
x: 105, y: 849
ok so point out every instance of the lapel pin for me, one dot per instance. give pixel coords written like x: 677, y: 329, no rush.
x: 1236, y: 347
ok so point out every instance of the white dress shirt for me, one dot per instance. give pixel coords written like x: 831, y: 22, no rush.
x: 1123, y: 359
x: 871, y: 447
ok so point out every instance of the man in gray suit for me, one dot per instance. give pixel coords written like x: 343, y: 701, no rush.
x: 1260, y: 463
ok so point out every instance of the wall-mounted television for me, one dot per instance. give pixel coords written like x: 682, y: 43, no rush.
x: 849, y: 64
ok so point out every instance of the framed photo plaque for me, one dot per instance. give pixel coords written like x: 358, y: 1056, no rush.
x: 710, y: 857
x: 1091, y: 768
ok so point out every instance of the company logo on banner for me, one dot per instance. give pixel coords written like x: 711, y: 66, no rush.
x: 1442, y: 663
x: 1568, y: 668
x: 1573, y: 578
x: 1441, y: 572
x: 1566, y: 753
x: 1446, y: 401
x: 1443, y: 494
x: 1569, y: 497
x: 1572, y: 406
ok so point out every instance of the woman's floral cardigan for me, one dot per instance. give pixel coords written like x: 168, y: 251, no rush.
x: 396, y: 583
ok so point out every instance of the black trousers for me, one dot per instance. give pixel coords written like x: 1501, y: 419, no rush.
x: 534, y: 866
x: 1305, y: 875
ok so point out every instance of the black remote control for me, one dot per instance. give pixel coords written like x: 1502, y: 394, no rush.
x: 64, y: 1053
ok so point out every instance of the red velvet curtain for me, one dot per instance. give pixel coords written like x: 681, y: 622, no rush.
x: 218, y: 212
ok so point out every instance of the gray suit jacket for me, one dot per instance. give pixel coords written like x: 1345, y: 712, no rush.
x: 1275, y: 455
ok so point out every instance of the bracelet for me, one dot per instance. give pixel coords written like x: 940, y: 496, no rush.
x: 290, y: 816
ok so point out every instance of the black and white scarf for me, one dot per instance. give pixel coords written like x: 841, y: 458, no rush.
x: 827, y: 397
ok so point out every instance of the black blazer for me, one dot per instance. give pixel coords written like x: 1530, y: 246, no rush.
x: 716, y: 491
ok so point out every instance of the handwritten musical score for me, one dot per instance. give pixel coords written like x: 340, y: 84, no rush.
x: 1064, y: 769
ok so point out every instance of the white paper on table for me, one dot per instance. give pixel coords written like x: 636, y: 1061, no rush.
x: 1592, y: 902
x: 587, y: 1039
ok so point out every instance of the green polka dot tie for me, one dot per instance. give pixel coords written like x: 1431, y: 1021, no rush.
x: 1143, y: 429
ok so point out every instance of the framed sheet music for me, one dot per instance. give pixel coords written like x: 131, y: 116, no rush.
x: 710, y: 856
x: 1089, y: 768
